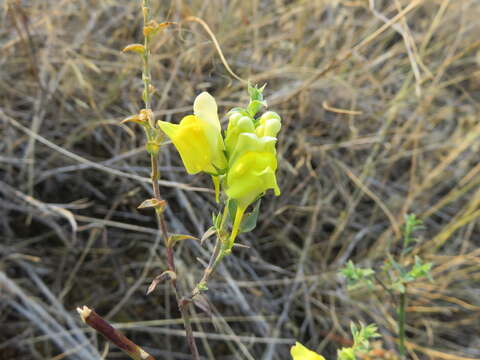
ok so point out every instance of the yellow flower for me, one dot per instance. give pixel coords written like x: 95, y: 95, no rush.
x: 251, y: 172
x: 300, y: 352
x: 252, y: 168
x: 198, y: 137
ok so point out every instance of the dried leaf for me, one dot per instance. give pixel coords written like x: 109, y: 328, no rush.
x: 153, y: 27
x: 174, y: 238
x: 163, y: 276
x: 135, y: 119
x: 207, y: 234
x: 153, y: 203
x: 138, y: 48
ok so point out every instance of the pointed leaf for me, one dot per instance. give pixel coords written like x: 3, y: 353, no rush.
x: 153, y: 203
x: 211, y: 231
x: 174, y: 238
x: 135, y: 119
x: 163, y: 276
x: 138, y: 48
x: 232, y: 209
x: 249, y: 221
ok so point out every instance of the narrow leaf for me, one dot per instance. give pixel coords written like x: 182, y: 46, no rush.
x: 212, y: 230
x: 250, y: 220
x: 163, y: 276
x: 138, y: 48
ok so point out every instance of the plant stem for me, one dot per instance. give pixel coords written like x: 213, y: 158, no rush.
x: 146, y: 58
x: 162, y: 226
x: 219, y: 252
x: 401, y: 324
x: 92, y: 319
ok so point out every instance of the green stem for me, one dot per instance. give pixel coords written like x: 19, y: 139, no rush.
x: 147, y: 96
x: 401, y: 324
x: 236, y: 226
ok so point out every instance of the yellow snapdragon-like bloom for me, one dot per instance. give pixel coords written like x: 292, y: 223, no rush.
x: 300, y: 352
x: 198, y: 137
x: 252, y: 161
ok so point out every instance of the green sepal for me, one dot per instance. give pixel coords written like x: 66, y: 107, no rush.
x: 254, y: 107
x: 216, y: 220
x: 249, y: 221
x: 232, y: 209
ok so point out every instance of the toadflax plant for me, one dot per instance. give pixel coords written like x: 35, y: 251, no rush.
x: 242, y: 162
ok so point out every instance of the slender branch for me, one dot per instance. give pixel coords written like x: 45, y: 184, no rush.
x: 162, y: 226
x: 146, y: 58
x: 216, y: 257
x: 95, y: 321
x: 218, y: 254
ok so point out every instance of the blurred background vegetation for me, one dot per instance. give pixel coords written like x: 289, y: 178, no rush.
x: 380, y: 119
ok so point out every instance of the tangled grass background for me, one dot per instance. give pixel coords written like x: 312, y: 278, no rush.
x: 380, y: 104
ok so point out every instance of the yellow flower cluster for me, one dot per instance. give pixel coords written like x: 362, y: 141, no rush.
x: 243, y: 164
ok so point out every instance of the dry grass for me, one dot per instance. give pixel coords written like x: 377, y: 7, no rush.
x: 380, y: 120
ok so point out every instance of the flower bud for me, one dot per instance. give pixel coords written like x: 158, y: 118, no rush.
x: 237, y: 124
x: 269, y: 124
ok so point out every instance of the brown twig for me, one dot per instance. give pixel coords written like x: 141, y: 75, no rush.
x: 95, y: 321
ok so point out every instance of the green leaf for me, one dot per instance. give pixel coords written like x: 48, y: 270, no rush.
x: 255, y: 92
x: 420, y: 270
x: 232, y: 209
x: 255, y: 107
x: 357, y: 276
x: 412, y: 224
x: 361, y: 341
x: 216, y: 220
x: 249, y: 221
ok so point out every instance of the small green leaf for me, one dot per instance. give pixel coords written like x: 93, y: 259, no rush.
x: 216, y: 220
x: 357, y: 276
x: 412, y: 224
x: 202, y: 286
x: 232, y: 209
x: 255, y: 92
x: 249, y: 221
x: 420, y: 270
x: 255, y: 107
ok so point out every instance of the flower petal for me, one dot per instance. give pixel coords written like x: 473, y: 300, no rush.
x: 300, y: 352
x: 205, y: 107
